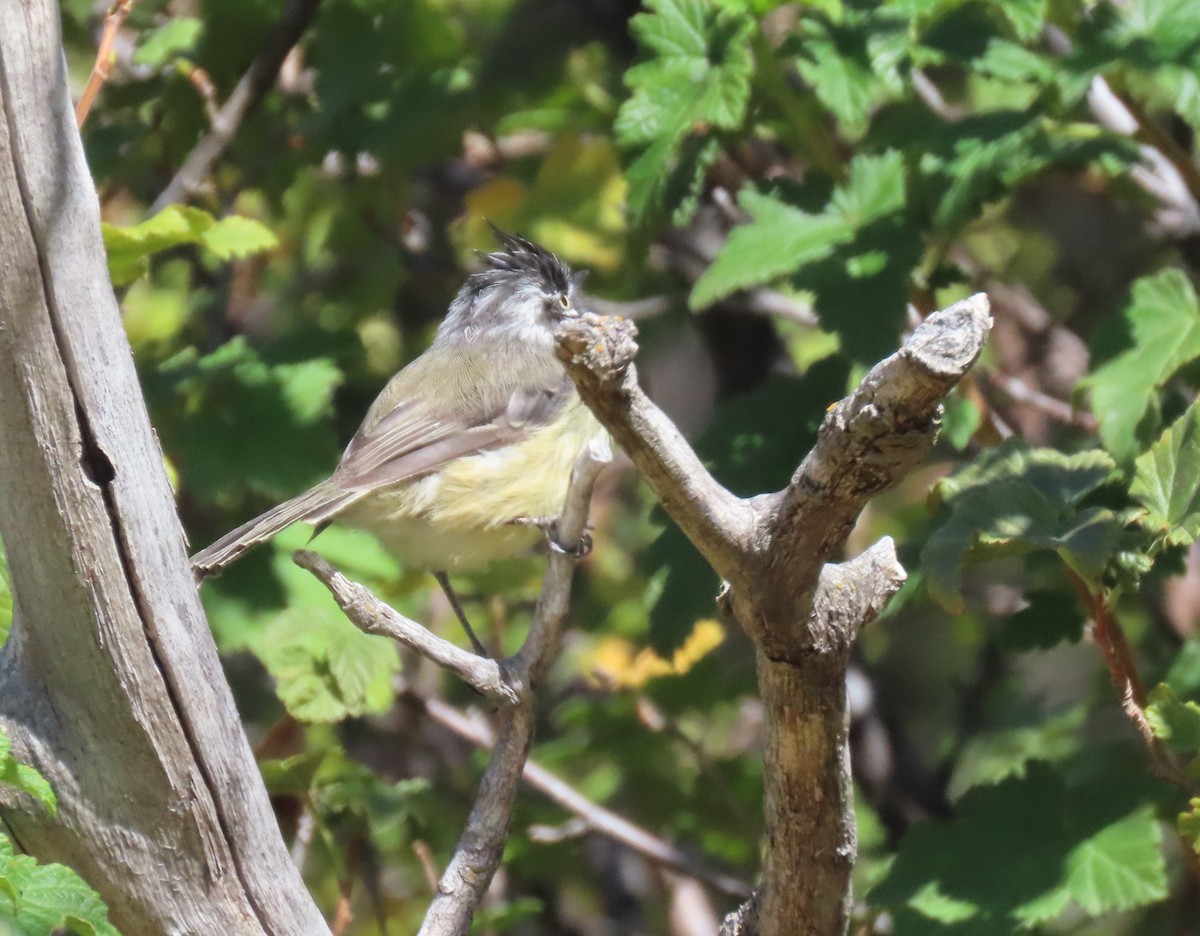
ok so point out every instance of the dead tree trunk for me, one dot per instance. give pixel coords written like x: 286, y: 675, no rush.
x: 110, y: 683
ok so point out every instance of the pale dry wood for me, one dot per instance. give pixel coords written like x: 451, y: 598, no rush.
x: 802, y: 613
x: 508, y: 683
x: 110, y: 683
x: 481, y: 845
x: 372, y: 616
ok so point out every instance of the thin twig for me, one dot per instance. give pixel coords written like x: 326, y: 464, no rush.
x: 199, y: 79
x: 481, y: 845
x: 1127, y: 681
x: 104, y: 58
x: 595, y: 817
x: 424, y: 855
x: 598, y: 353
x: 373, y: 616
x: 306, y: 825
x: 1057, y: 409
x: 259, y: 77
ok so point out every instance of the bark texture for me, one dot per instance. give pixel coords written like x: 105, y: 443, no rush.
x: 802, y: 613
x: 110, y: 683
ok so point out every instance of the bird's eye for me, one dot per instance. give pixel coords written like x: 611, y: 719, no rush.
x: 564, y: 302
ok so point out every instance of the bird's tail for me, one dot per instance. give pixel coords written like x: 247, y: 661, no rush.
x: 314, y: 505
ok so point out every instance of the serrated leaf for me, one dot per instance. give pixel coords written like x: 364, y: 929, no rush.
x: 1176, y: 723
x: 781, y: 239
x: 1166, y: 481
x: 1164, y: 321
x: 235, y: 237
x: 990, y: 757
x: 1014, y: 500
x: 49, y: 898
x: 776, y: 242
x: 24, y: 778
x: 1036, y: 848
x: 697, y: 79
x: 325, y: 669
x: 129, y: 248
x: 175, y: 37
x: 1120, y: 868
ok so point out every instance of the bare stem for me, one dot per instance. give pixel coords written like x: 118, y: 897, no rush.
x: 259, y: 77
x: 104, y: 58
x: 373, y: 616
x: 593, y: 816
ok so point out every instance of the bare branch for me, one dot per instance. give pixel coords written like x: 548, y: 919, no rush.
x: 869, y: 441
x: 372, y: 616
x: 481, y: 846
x: 772, y: 550
x: 104, y: 58
x: 259, y: 77
x: 593, y: 816
x: 598, y: 353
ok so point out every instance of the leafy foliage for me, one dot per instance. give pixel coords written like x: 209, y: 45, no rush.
x: 791, y: 187
x: 1039, y: 848
x: 42, y: 898
x: 1164, y: 322
x: 325, y: 669
x: 697, y: 80
x: 1012, y: 500
x: 129, y: 248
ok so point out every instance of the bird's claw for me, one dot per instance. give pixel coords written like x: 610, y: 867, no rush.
x: 549, y: 527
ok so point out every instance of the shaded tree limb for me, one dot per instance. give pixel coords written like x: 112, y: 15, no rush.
x: 110, y: 683
x: 246, y: 95
x: 772, y: 550
x: 594, y: 817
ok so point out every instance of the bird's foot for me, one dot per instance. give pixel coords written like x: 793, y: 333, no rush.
x: 549, y: 528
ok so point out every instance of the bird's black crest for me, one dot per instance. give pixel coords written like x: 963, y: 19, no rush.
x: 521, y: 256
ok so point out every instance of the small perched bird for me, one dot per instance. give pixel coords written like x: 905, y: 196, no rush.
x: 465, y: 456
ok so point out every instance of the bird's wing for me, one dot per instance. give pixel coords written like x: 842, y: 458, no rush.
x: 412, y: 440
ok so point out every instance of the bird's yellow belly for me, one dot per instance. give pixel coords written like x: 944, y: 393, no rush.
x: 461, y: 516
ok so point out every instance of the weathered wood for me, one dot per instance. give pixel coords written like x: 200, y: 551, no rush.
x: 110, y: 683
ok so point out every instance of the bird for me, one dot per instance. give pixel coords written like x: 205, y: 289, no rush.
x: 465, y: 456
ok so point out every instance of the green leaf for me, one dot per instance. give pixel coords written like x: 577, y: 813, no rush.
x: 236, y: 237
x: 1164, y: 322
x: 990, y: 757
x: 697, y: 80
x: 129, y: 248
x: 778, y: 240
x: 169, y: 41
x: 226, y: 417
x: 1014, y: 500
x: 1177, y: 723
x: 1188, y: 824
x: 24, y: 778
x: 325, y: 669
x: 1035, y: 847
x: 1119, y: 868
x: 781, y: 239
x: 48, y: 898
x: 1167, y: 481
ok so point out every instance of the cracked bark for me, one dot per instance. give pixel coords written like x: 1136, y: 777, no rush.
x: 110, y: 683
x: 802, y: 613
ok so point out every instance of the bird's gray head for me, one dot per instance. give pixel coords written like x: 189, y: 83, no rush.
x: 521, y: 294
